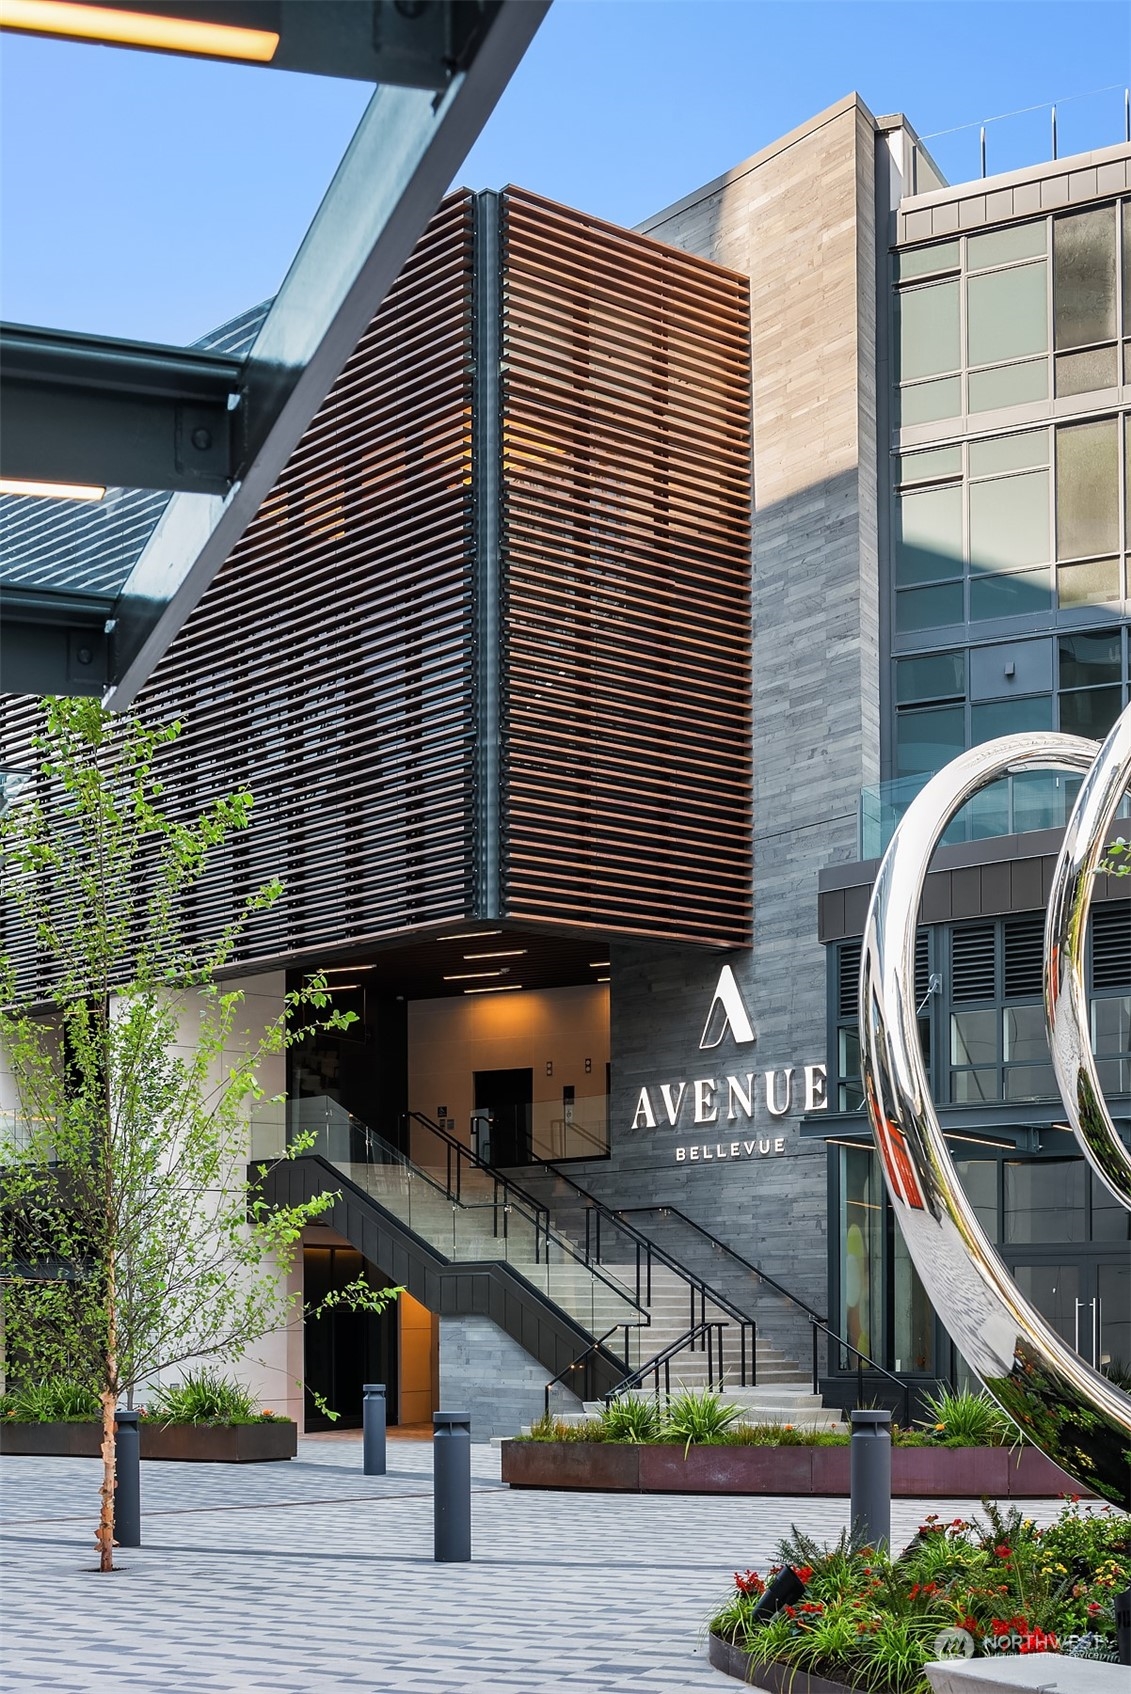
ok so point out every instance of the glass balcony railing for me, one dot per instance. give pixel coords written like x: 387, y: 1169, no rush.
x: 1030, y: 800
x: 467, y: 1213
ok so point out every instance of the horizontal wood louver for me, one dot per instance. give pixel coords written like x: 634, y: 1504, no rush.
x: 626, y: 772
x: 344, y: 667
x: 328, y: 670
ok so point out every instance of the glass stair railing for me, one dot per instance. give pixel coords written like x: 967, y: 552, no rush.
x: 470, y: 1214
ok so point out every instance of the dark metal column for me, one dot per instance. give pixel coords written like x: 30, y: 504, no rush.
x: 871, y: 1475
x: 373, y: 1428
x: 451, y: 1450
x: 127, y: 1481
x: 486, y: 482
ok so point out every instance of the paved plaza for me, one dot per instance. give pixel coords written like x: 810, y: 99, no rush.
x: 310, y: 1577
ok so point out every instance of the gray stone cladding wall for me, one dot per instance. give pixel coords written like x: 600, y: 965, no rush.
x: 486, y: 1374
x: 799, y: 220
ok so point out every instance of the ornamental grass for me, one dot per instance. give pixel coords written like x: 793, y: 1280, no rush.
x: 979, y: 1587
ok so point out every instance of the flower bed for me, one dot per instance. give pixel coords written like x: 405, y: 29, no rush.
x: 852, y: 1617
x: 252, y: 1442
x: 660, y: 1468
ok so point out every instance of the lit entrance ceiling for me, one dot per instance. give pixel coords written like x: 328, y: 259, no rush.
x: 169, y: 451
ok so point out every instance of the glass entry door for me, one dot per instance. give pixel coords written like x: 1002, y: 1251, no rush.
x: 1087, y: 1302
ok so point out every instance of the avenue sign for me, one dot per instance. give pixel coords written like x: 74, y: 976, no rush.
x: 730, y: 1104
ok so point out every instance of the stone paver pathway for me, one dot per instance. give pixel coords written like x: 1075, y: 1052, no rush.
x: 309, y: 1578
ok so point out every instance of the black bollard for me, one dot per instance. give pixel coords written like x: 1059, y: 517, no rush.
x: 451, y: 1481
x: 373, y: 1428
x: 871, y: 1476
x: 127, y: 1481
x: 1123, y: 1626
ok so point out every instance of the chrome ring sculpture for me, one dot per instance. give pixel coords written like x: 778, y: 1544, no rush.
x: 1064, y: 1406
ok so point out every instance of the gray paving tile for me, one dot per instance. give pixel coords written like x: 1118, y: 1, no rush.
x: 308, y: 1576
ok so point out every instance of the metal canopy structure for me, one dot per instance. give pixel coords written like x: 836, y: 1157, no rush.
x: 207, y: 431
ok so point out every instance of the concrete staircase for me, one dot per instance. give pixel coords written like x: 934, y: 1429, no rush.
x: 637, y: 1319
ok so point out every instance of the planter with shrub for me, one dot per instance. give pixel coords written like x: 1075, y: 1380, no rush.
x: 696, y: 1444
x: 204, y: 1418
x: 852, y: 1617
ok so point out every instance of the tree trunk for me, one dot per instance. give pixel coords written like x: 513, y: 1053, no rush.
x: 105, y: 1535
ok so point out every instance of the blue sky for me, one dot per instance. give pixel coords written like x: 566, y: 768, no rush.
x: 142, y: 195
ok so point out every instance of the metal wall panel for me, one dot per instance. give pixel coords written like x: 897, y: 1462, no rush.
x: 625, y: 393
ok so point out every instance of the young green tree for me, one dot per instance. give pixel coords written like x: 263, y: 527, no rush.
x: 131, y: 1238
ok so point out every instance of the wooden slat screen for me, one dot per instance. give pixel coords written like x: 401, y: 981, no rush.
x: 626, y: 573
x: 327, y: 669
x: 331, y: 668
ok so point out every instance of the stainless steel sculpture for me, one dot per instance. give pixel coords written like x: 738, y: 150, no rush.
x: 1066, y: 1000
x: 1061, y: 1403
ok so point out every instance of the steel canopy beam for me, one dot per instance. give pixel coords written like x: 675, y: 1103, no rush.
x: 125, y: 414
x: 406, y: 43
x: 217, y: 431
x: 407, y: 148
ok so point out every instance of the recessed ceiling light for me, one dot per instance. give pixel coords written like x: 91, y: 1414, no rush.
x: 474, y: 976
x: 599, y: 965
x: 603, y: 979
x: 138, y: 29
x: 90, y: 491
x: 510, y: 953
x: 470, y: 935
x: 500, y: 988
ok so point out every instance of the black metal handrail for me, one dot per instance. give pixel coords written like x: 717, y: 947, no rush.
x: 724, y: 1247
x: 584, y: 1361
x: 862, y: 1359
x: 596, y: 1209
x: 702, y: 1333
x: 816, y: 1323
x: 457, y: 1154
x: 521, y: 1200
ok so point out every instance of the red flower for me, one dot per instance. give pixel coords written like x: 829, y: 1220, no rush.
x: 1004, y: 1552
x: 791, y: 1611
x: 751, y: 1583
x: 803, y: 1573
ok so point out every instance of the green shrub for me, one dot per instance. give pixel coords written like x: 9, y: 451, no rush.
x: 203, y: 1397
x: 627, y: 1418
x: 967, y: 1420
x: 871, y: 1622
x: 697, y: 1416
x: 54, y: 1400
x: 550, y: 1428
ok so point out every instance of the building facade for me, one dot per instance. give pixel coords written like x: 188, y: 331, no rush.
x: 623, y: 591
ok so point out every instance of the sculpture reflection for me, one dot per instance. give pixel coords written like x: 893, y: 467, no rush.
x: 1062, y: 1404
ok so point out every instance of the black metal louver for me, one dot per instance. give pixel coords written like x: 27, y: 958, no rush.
x: 922, y: 960
x: 1111, y: 945
x: 1024, y: 953
x: 972, y: 953
x: 848, y: 978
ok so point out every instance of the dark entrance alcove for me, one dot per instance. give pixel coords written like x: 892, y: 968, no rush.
x: 345, y: 1349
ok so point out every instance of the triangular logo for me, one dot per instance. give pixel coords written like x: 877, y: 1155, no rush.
x: 727, y: 1011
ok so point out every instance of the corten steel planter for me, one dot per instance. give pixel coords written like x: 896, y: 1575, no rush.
x: 194, y: 1443
x: 917, y: 1472
x: 605, y: 1465
x: 778, y: 1678
x: 727, y: 1470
